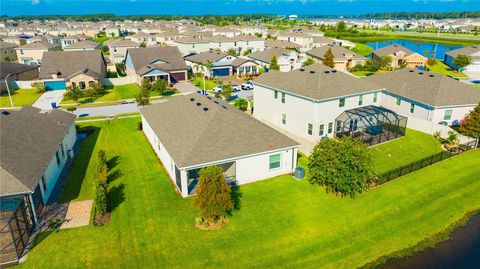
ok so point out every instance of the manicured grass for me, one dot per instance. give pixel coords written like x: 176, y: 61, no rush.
x: 281, y: 223
x: 443, y: 69
x: 362, y: 49
x: 20, y: 97
x: 101, y: 39
x: 413, y: 146
x: 209, y: 83
x: 119, y: 92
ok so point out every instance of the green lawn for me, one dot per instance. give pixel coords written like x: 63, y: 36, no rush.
x: 281, y: 223
x: 362, y: 49
x: 443, y: 69
x: 413, y: 146
x: 209, y: 83
x: 20, y: 97
x: 119, y: 92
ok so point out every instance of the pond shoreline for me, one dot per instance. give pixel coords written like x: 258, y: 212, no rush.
x: 427, y: 243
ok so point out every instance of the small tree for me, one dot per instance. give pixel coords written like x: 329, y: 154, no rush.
x: 39, y: 86
x: 343, y: 166
x: 309, y: 61
x: 101, y: 187
x: 471, y: 124
x: 328, y: 58
x: 371, y: 65
x: 143, y: 97
x: 341, y: 26
x: 462, y: 60
x: 274, y: 63
x: 385, y: 62
x: 213, y: 195
x: 227, y: 91
x: 7, y: 59
x: 431, y: 61
x: 232, y: 52
x: 159, y: 86
x: 242, y: 104
x: 143, y: 45
x: 105, y: 50
x: 73, y: 93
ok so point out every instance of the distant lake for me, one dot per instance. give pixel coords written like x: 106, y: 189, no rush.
x: 423, y: 48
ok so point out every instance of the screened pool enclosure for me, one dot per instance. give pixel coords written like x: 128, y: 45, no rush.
x: 371, y: 124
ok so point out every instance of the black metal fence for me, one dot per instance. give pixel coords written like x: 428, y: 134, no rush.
x: 419, y: 164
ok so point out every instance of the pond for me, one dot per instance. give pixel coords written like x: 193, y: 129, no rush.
x: 461, y: 251
x: 424, y: 48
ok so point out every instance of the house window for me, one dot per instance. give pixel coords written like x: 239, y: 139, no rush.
x: 412, y: 108
x: 330, y: 127
x: 58, y: 157
x: 310, y: 129
x: 274, y: 161
x: 447, y: 115
x: 341, y: 102
x: 63, y: 150
x: 398, y: 102
x: 360, y: 100
x: 283, y: 97
x: 375, y: 97
x: 43, y: 182
x: 275, y: 94
x: 284, y: 119
x: 339, y: 126
x: 21, y: 52
x: 82, y: 85
x: 321, y: 129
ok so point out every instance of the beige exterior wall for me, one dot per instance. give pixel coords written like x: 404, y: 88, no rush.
x: 29, y: 56
x: 82, y: 79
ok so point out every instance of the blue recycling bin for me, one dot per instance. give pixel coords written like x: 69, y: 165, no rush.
x: 54, y: 105
x: 299, y: 173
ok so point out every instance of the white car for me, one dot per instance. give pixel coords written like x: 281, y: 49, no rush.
x: 247, y: 86
x: 217, y: 89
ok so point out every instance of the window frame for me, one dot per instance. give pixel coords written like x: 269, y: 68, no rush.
x: 398, y: 102
x: 321, y: 130
x: 360, y: 100
x: 341, y: 102
x: 449, y: 114
x: 309, y: 129
x: 283, y: 97
x: 330, y: 127
x: 284, y: 119
x: 375, y: 97
x: 279, y: 161
x: 412, y: 108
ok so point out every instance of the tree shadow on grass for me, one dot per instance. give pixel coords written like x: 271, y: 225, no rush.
x: 114, y: 175
x: 236, y: 196
x: 116, y: 196
x: 77, y: 172
x: 113, y: 162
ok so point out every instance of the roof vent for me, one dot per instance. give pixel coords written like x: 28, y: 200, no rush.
x: 224, y: 107
x: 302, y: 69
x: 312, y: 71
x: 205, y: 109
x: 199, y: 104
x: 411, y: 71
x: 5, y: 113
x: 334, y: 71
x: 216, y: 102
x: 326, y: 72
x: 192, y: 99
x: 431, y: 76
x: 208, y: 97
x: 420, y: 73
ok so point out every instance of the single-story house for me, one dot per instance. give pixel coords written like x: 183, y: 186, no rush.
x: 7, y: 51
x: 118, y: 48
x: 400, y: 56
x: 62, y: 69
x: 287, y: 59
x: 244, y: 66
x: 344, y: 58
x: 194, y: 131
x: 33, y: 53
x: 472, y: 51
x: 34, y: 148
x: 156, y: 63
x: 15, y: 71
x: 220, y: 61
x: 82, y: 45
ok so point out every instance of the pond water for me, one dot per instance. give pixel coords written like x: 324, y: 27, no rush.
x: 426, y: 49
x: 461, y: 251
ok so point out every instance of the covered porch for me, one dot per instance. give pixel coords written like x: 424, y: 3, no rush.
x: 190, y: 184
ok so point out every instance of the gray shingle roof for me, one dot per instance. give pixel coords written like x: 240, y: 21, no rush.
x: 13, y: 68
x: 83, y: 44
x: 426, y: 87
x: 193, y: 136
x: 204, y: 57
x: 142, y: 57
x: 464, y: 51
x: 392, y: 49
x: 7, y: 45
x: 28, y: 141
x: 316, y: 82
x: 268, y: 54
x: 339, y: 53
x: 37, y: 46
x: 66, y: 63
x: 269, y: 43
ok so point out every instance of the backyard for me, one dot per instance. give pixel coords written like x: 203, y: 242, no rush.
x: 20, y: 97
x: 443, y: 69
x: 281, y: 222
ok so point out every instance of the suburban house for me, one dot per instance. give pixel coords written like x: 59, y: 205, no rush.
x: 270, y: 43
x: 194, y: 131
x: 63, y: 69
x: 118, y: 48
x: 344, y: 58
x: 67, y: 41
x: 312, y: 102
x: 472, y: 51
x: 303, y: 39
x: 166, y: 37
x: 192, y: 45
x: 400, y: 56
x: 248, y: 44
x: 82, y: 45
x: 156, y: 63
x: 113, y: 31
x: 18, y: 40
x: 35, y: 146
x: 53, y: 39
x: 12, y: 72
x: 33, y: 53
x: 221, y: 63
x: 244, y: 66
x: 322, y: 41
x: 7, y: 51
x: 287, y: 59
x: 147, y: 39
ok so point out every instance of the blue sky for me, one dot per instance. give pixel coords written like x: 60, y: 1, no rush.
x: 198, y: 7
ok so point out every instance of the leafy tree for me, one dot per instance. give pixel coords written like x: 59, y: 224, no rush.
x: 328, y: 58
x: 242, y: 104
x: 213, y: 194
x: 341, y: 26
x: 102, y: 159
x: 385, y: 62
x: 159, y: 86
x: 462, y: 60
x: 143, y: 97
x: 73, y: 93
x: 232, y: 52
x: 71, y: 108
x: 309, y: 61
x: 227, y: 90
x: 101, y: 187
x: 209, y: 66
x: 371, y: 65
x: 274, y: 64
x: 39, y: 86
x: 105, y: 50
x: 97, y: 88
x: 471, y: 124
x: 431, y: 61
x: 343, y: 166
x: 7, y: 59
x: 143, y: 45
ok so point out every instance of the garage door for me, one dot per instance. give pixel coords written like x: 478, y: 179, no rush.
x: 176, y: 77
x: 221, y: 72
x: 55, y: 85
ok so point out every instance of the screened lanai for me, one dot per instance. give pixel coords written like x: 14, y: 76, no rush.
x: 371, y: 124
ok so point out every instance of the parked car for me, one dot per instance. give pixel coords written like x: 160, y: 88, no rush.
x: 247, y: 86
x: 236, y: 88
x: 217, y: 89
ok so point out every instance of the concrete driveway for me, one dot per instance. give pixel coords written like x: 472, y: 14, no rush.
x: 185, y: 87
x: 45, y: 101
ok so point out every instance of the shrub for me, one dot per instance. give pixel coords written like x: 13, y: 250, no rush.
x: 39, y: 86
x: 101, y: 197
x: 71, y: 108
x: 274, y: 64
x: 471, y: 124
x: 431, y: 61
x: 328, y: 58
x: 242, y: 104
